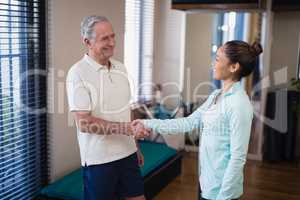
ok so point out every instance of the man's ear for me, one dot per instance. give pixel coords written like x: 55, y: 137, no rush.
x: 235, y: 67
x: 86, y: 42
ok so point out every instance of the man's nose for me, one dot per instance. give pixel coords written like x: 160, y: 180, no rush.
x: 112, y: 42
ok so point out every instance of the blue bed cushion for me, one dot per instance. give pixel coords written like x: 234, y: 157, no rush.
x: 70, y: 186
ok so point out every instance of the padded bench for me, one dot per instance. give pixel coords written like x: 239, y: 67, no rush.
x: 162, y: 165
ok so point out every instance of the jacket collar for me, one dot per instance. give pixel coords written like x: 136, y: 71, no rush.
x: 235, y: 87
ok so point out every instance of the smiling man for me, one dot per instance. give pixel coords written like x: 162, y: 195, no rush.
x: 99, y: 95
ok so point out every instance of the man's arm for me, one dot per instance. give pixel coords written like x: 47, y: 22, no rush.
x: 89, y: 124
x: 139, y: 153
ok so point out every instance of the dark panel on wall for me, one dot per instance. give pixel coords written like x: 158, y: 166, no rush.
x: 286, y: 5
x: 219, y: 4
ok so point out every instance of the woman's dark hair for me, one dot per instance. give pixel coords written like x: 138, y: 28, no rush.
x: 246, y: 55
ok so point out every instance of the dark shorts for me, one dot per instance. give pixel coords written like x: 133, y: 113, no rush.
x: 115, y: 180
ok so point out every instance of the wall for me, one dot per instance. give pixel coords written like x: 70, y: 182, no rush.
x: 285, y: 44
x: 284, y: 52
x: 199, y: 29
x: 65, y: 49
x: 169, y: 41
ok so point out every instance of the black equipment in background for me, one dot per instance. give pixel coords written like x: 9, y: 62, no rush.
x: 280, y: 130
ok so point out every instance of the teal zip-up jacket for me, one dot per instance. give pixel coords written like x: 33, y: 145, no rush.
x: 225, y: 132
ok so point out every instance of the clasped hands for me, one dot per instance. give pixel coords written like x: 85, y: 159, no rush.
x: 138, y: 130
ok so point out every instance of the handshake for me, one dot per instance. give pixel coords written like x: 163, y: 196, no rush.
x: 138, y: 130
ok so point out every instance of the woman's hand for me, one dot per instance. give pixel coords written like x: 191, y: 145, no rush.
x: 139, y: 130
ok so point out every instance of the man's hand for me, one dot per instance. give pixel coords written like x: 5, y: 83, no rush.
x: 139, y: 130
x: 140, y: 158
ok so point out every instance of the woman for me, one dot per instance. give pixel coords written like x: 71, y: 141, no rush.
x: 225, y: 121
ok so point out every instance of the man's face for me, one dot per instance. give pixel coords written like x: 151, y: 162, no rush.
x: 104, y: 42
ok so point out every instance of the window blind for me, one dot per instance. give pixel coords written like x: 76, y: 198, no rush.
x: 23, y: 148
x: 138, y: 56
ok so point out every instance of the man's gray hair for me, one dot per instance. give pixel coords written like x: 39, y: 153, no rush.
x: 87, y: 25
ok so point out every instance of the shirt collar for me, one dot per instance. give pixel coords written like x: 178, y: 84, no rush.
x: 235, y: 87
x: 97, y: 66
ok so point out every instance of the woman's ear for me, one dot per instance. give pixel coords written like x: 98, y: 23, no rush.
x: 235, y: 67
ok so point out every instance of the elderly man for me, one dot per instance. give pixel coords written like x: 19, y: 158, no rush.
x: 99, y: 94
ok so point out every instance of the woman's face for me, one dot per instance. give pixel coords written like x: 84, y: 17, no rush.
x: 222, y: 69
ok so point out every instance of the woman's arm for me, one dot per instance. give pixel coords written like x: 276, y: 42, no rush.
x: 240, y: 120
x: 180, y: 125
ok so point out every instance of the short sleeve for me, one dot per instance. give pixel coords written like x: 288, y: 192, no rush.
x: 78, y: 94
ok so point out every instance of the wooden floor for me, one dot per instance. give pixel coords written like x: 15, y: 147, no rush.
x: 263, y: 181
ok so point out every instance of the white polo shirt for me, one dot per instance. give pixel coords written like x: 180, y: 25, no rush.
x: 106, y: 94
